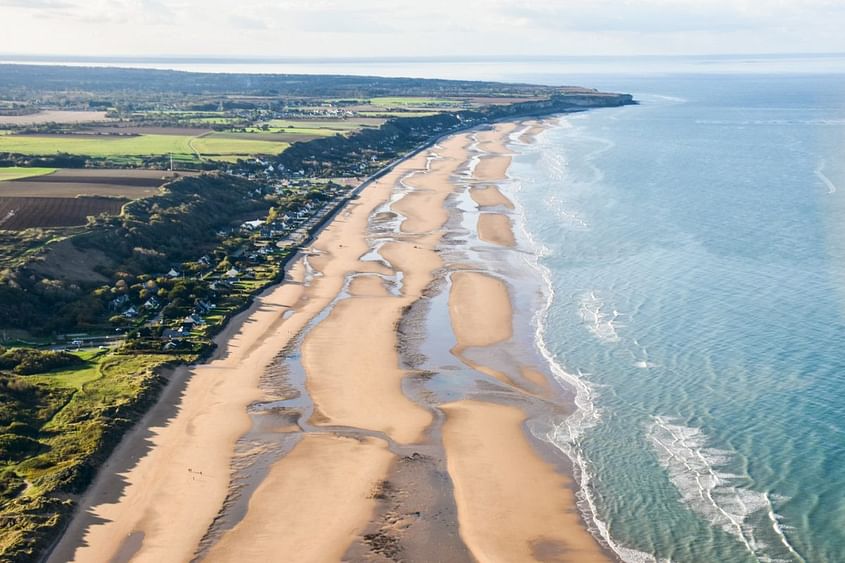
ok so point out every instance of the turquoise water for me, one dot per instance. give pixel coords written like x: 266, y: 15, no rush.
x: 695, y: 246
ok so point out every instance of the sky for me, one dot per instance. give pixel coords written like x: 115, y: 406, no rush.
x: 421, y: 28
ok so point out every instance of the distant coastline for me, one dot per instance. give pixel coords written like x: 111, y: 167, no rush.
x: 503, y: 67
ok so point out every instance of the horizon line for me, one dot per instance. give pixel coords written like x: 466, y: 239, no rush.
x: 249, y: 59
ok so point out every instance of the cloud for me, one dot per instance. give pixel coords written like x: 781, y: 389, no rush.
x: 378, y: 28
x: 38, y: 4
x: 639, y: 17
x: 249, y: 22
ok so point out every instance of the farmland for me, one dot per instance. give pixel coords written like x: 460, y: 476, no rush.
x: 18, y: 213
x: 340, y: 125
x: 67, y: 197
x: 135, y: 129
x: 207, y: 146
x: 18, y: 172
x: 374, y: 113
x: 54, y: 116
x: 68, y: 182
x: 414, y: 102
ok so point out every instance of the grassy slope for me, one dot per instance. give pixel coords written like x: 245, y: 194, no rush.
x: 83, y: 411
x: 17, y: 172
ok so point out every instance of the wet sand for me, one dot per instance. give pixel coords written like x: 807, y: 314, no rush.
x: 489, y: 196
x: 496, y: 228
x: 512, y: 505
x: 480, y: 310
x: 379, y: 467
x: 324, y: 488
x: 531, y: 130
x: 358, y: 384
x: 493, y: 168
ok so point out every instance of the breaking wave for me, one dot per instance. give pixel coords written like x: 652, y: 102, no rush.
x: 700, y: 475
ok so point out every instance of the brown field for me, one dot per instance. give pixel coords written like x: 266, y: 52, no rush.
x: 70, y: 183
x: 54, y: 116
x: 18, y: 213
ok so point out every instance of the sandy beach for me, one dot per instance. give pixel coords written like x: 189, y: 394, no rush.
x: 489, y: 196
x: 531, y: 516
x: 317, y: 433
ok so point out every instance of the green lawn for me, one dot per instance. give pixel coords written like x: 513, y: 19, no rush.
x: 17, y: 172
x: 142, y: 145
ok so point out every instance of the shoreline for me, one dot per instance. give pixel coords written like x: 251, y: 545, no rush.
x: 345, y: 315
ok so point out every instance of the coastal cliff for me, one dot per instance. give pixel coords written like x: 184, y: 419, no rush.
x: 362, y: 152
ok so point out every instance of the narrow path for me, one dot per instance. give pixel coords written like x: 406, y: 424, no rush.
x: 193, y: 148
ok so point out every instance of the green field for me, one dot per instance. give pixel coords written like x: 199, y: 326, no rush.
x: 17, y: 172
x: 211, y: 147
x: 304, y: 131
x: 331, y: 124
x: 388, y: 113
x: 315, y: 127
x: 392, y: 102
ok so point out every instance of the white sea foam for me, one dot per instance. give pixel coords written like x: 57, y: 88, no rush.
x: 556, y: 163
x: 310, y: 271
x: 665, y: 98
x: 568, y: 217
x: 600, y: 320
x: 476, y: 151
x: 565, y: 434
x: 705, y: 485
x: 819, y: 172
x: 640, y: 356
x: 514, y: 136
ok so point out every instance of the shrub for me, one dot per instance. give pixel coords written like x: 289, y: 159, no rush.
x: 26, y: 361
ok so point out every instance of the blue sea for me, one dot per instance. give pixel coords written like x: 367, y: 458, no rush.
x: 694, y: 247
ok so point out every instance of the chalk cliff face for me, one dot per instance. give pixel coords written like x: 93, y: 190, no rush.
x: 595, y: 99
x: 568, y: 102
